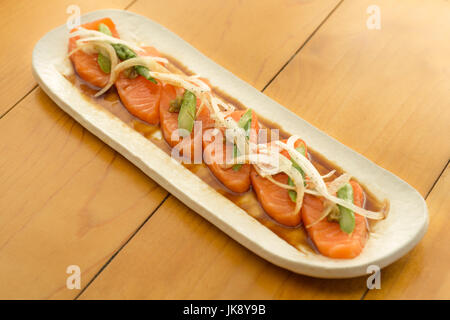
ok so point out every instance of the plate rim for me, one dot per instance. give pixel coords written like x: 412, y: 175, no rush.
x: 337, y: 269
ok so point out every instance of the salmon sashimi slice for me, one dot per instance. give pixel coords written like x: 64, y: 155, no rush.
x: 329, y: 239
x: 169, y: 122
x: 274, y: 199
x: 140, y: 96
x: 235, y: 180
x: 86, y: 64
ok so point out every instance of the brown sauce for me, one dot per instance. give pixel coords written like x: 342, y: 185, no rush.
x: 296, y: 236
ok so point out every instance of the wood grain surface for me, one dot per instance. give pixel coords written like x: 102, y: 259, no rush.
x: 179, y: 255
x: 384, y: 93
x: 253, y: 38
x: 64, y: 163
x: 423, y: 273
x: 331, y: 62
x: 68, y: 199
x: 22, y: 24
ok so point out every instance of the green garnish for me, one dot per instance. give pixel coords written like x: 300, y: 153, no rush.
x: 346, y: 217
x: 125, y: 53
x: 237, y: 166
x: 186, y: 117
x: 143, y: 71
x: 103, y: 28
x: 245, y: 122
x: 175, y: 104
x: 292, y: 193
x: 104, y: 63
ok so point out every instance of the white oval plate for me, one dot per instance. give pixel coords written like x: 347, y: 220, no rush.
x: 399, y: 233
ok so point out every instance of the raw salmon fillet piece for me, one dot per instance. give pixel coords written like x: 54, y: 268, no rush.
x: 274, y: 199
x: 140, y: 96
x: 86, y: 64
x: 235, y: 180
x: 328, y: 237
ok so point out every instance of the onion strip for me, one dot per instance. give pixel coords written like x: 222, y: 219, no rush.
x: 87, y: 35
x: 321, y: 187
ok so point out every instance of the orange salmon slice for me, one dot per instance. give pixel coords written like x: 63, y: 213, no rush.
x: 169, y: 120
x: 274, y: 199
x: 235, y: 180
x: 140, y: 96
x: 86, y: 64
x: 327, y: 236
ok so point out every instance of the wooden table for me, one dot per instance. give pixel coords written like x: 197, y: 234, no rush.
x: 68, y: 199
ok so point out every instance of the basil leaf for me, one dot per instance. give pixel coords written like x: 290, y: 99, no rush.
x: 186, y: 117
x: 103, y: 28
x: 347, y: 217
x: 104, y: 63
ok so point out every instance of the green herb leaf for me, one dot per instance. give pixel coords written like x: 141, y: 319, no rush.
x: 237, y: 166
x: 123, y: 52
x: 143, y: 71
x: 347, y: 217
x: 104, y: 63
x: 292, y: 193
x: 245, y: 123
x: 103, y: 28
x: 246, y: 120
x: 186, y: 117
x: 300, y: 149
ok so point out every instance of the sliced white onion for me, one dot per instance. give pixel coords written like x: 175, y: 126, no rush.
x: 320, y: 185
x: 329, y: 174
x: 81, y: 47
x: 147, y: 61
x: 177, y: 80
x: 201, y: 84
x: 92, y: 35
x: 338, y: 183
x: 269, y: 177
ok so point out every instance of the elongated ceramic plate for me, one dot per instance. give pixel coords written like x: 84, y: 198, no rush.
x: 396, y: 235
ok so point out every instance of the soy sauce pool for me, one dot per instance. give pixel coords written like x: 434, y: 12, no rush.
x: 296, y: 236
